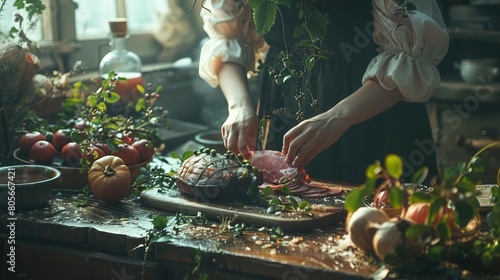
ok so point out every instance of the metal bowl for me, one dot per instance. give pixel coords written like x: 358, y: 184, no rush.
x: 26, y: 186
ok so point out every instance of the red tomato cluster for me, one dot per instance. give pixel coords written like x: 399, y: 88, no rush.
x: 42, y: 149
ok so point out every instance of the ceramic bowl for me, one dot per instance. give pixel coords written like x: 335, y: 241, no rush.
x: 476, y: 71
x: 211, y: 139
x: 71, y: 177
x: 26, y: 186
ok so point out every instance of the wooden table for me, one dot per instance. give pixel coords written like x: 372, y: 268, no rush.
x: 64, y: 241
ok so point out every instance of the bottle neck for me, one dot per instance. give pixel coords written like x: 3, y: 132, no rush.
x: 118, y: 43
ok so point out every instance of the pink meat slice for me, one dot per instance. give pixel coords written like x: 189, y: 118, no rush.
x: 277, y: 173
x: 273, y: 166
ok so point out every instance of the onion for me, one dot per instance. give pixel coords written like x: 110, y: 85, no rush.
x: 361, y: 226
x: 389, y: 236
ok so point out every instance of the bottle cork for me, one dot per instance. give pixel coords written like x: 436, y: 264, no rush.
x: 118, y: 27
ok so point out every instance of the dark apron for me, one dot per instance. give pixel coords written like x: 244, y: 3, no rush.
x: 396, y: 130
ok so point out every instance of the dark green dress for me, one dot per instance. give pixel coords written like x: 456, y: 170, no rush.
x: 397, y: 130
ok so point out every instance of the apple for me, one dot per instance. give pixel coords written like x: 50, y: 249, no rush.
x: 42, y: 152
x: 93, y: 151
x: 60, y: 138
x: 27, y: 140
x: 128, y: 138
x: 145, y: 148
x: 128, y: 154
x: 71, y: 154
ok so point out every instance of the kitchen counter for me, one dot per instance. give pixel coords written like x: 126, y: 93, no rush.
x: 64, y: 241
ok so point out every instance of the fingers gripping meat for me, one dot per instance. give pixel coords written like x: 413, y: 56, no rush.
x: 276, y: 173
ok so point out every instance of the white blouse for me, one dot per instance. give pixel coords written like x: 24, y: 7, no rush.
x: 407, y: 59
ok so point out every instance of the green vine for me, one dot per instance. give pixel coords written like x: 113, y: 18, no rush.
x: 295, y: 64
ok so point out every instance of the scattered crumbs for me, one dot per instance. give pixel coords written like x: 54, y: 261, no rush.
x: 254, y: 237
x: 123, y: 219
x: 318, y: 230
x: 258, y: 242
x: 330, y: 238
x: 268, y: 245
x: 248, y: 249
x: 273, y: 251
x: 296, y: 240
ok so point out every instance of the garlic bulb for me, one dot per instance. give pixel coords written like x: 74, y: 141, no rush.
x: 389, y: 236
x: 360, y: 226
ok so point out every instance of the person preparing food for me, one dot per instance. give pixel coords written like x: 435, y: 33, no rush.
x: 367, y: 94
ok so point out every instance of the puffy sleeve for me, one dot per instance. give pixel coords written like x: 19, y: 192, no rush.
x: 232, y: 38
x: 411, y: 45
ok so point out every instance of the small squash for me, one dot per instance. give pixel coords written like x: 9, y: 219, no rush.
x: 109, y: 179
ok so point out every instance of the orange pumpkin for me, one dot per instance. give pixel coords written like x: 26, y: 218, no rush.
x: 109, y: 179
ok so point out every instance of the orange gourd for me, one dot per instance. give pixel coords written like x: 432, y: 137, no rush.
x: 109, y: 179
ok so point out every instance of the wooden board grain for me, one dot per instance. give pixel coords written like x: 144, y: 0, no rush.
x: 327, y: 212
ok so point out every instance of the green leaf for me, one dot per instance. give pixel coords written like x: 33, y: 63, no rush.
x: 186, y: 155
x: 140, y: 104
x: 285, y: 190
x: 310, y: 63
x: 355, y: 199
x: 435, y: 208
x: 464, y: 213
x: 293, y: 203
x: 111, y: 97
x: 394, y: 165
x: 373, y: 170
x: 465, y: 186
x: 160, y: 222
x: 436, y: 253
x: 92, y: 100
x: 478, y: 164
x: 299, y: 31
x: 451, y: 174
x: 397, y: 197
x: 416, y: 231
x: 283, y: 2
x: 101, y: 107
x: 264, y: 15
x: 111, y: 75
x: 420, y: 197
x: 304, y: 204
x: 420, y: 175
x: 267, y: 191
x: 306, y: 43
x: 140, y: 88
x: 444, y: 231
x: 487, y: 259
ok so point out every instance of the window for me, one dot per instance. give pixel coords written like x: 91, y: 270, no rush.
x: 33, y: 30
x: 92, y: 15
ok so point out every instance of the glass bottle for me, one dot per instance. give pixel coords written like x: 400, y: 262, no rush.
x: 123, y: 62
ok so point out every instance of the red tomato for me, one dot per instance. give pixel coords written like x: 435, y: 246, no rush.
x: 418, y: 212
x: 27, y: 140
x: 42, y: 152
x: 71, y: 154
x: 128, y: 154
x: 61, y: 138
x: 145, y: 148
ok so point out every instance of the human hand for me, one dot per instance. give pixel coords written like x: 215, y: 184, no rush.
x: 307, y: 139
x: 239, y: 131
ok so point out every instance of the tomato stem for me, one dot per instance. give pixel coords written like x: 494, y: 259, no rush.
x: 108, y: 171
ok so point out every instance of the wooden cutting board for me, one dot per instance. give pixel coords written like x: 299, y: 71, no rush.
x: 327, y: 212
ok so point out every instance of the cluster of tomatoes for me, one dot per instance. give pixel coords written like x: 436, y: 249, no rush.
x: 43, y: 149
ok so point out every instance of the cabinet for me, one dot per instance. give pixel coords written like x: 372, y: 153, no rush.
x: 464, y: 118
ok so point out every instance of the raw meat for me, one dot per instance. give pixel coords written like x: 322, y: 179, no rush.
x: 276, y: 173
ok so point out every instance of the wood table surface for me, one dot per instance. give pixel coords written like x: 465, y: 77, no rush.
x: 117, y: 229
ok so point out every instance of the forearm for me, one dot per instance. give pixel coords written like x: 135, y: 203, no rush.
x: 234, y: 85
x: 366, y: 102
